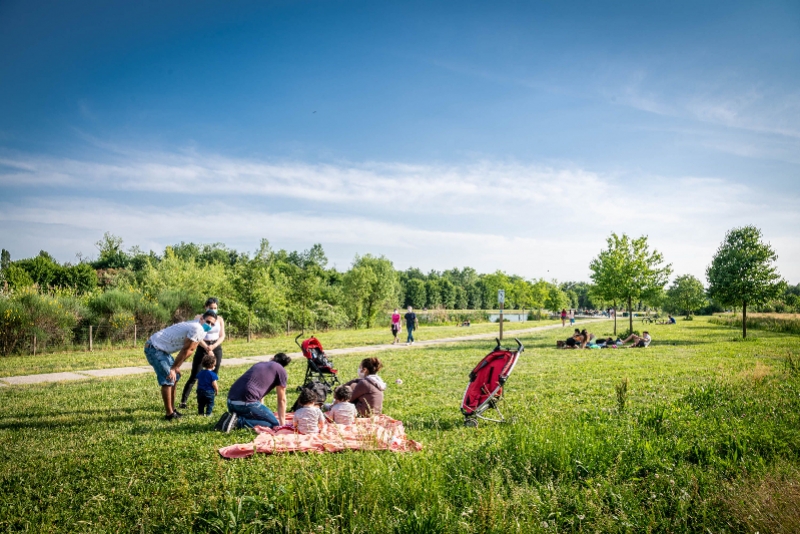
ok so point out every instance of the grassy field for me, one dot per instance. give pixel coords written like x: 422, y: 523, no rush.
x: 706, y: 439
x: 104, y: 358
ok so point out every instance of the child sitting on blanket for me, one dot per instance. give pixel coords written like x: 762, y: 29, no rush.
x: 309, y: 418
x: 343, y: 412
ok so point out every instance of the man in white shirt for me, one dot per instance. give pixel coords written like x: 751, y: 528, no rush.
x: 183, y: 339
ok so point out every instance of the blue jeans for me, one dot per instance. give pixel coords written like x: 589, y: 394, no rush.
x: 205, y: 401
x: 410, y: 334
x: 252, y: 414
x: 162, y: 363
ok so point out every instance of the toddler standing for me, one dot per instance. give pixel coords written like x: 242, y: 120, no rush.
x: 309, y: 418
x: 343, y: 412
x: 207, y: 387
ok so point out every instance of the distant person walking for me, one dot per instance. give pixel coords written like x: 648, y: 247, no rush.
x: 411, y: 324
x: 571, y: 317
x: 563, y: 317
x: 211, y: 344
x: 182, y: 338
x: 396, y: 326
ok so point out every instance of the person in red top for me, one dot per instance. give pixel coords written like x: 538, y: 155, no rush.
x: 396, y: 327
x: 563, y: 317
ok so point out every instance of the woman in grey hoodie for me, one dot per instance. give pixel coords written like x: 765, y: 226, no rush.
x: 368, y: 388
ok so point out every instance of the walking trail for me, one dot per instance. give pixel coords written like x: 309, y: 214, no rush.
x: 124, y: 371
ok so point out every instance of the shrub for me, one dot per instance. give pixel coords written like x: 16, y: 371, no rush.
x: 27, y: 313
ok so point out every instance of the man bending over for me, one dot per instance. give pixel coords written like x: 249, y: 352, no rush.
x: 182, y: 337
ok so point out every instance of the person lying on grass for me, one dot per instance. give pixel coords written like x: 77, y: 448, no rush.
x: 368, y: 388
x: 308, y: 419
x: 343, y: 412
x: 245, y: 406
x: 638, y: 342
x: 182, y: 338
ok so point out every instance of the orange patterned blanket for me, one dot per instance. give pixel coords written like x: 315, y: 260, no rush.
x: 379, y: 432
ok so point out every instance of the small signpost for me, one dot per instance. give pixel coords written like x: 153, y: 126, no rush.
x: 501, y: 299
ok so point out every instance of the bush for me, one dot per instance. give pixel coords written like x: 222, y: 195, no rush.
x: 27, y: 313
x: 789, y: 324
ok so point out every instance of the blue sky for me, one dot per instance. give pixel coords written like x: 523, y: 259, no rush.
x: 508, y: 135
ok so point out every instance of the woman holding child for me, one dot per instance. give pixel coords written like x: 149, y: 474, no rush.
x: 368, y: 388
x: 211, y: 344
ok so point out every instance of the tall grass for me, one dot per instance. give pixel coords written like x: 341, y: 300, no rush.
x: 780, y: 323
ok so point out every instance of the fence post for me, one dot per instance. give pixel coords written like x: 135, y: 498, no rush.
x: 90, y: 339
x: 34, y: 344
x: 287, y: 328
x: 134, y: 334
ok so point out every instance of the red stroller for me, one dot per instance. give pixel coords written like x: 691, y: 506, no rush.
x: 320, y: 368
x: 486, y: 381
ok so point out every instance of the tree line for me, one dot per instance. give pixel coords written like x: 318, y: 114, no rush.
x: 268, y: 291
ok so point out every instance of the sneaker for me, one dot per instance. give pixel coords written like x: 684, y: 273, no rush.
x: 182, y: 406
x: 230, y: 424
x: 173, y: 416
x: 176, y: 413
x: 222, y: 422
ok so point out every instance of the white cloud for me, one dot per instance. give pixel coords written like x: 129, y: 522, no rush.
x: 526, y: 219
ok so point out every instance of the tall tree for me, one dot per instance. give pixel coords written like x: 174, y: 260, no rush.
x: 372, y: 288
x: 628, y: 271
x: 743, y: 271
x: 556, y: 299
x: 685, y: 295
x: 416, y: 294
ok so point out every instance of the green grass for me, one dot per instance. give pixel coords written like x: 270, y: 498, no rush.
x: 709, y: 433
x: 104, y: 357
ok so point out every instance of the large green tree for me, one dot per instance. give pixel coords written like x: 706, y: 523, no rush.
x: 371, y: 288
x: 416, y: 294
x: 628, y: 271
x: 686, y: 295
x: 743, y: 271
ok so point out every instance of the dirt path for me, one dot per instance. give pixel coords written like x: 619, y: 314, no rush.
x: 124, y: 371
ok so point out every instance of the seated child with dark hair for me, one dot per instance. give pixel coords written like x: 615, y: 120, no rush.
x: 343, y: 412
x: 309, y: 418
x: 207, y: 387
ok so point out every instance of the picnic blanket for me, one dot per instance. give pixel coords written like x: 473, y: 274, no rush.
x: 378, y: 432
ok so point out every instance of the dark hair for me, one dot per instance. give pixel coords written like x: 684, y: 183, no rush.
x: 209, y: 361
x: 372, y: 365
x: 307, y: 396
x: 342, y: 393
x: 577, y: 330
x: 209, y: 313
x: 212, y: 300
x: 282, y: 359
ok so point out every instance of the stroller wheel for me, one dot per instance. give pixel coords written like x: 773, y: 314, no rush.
x: 471, y: 423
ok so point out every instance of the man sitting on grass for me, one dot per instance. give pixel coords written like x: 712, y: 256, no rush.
x: 245, y: 407
x: 182, y: 337
x: 638, y: 342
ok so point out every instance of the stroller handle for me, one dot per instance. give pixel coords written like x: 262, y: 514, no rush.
x: 296, y: 342
x: 520, y: 347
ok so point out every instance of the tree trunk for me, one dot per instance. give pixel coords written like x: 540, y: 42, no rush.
x: 249, y: 315
x: 630, y: 317
x: 744, y: 320
x: 615, y: 319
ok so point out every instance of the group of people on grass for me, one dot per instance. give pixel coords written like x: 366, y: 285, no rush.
x: 204, y: 335
x: 582, y: 339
